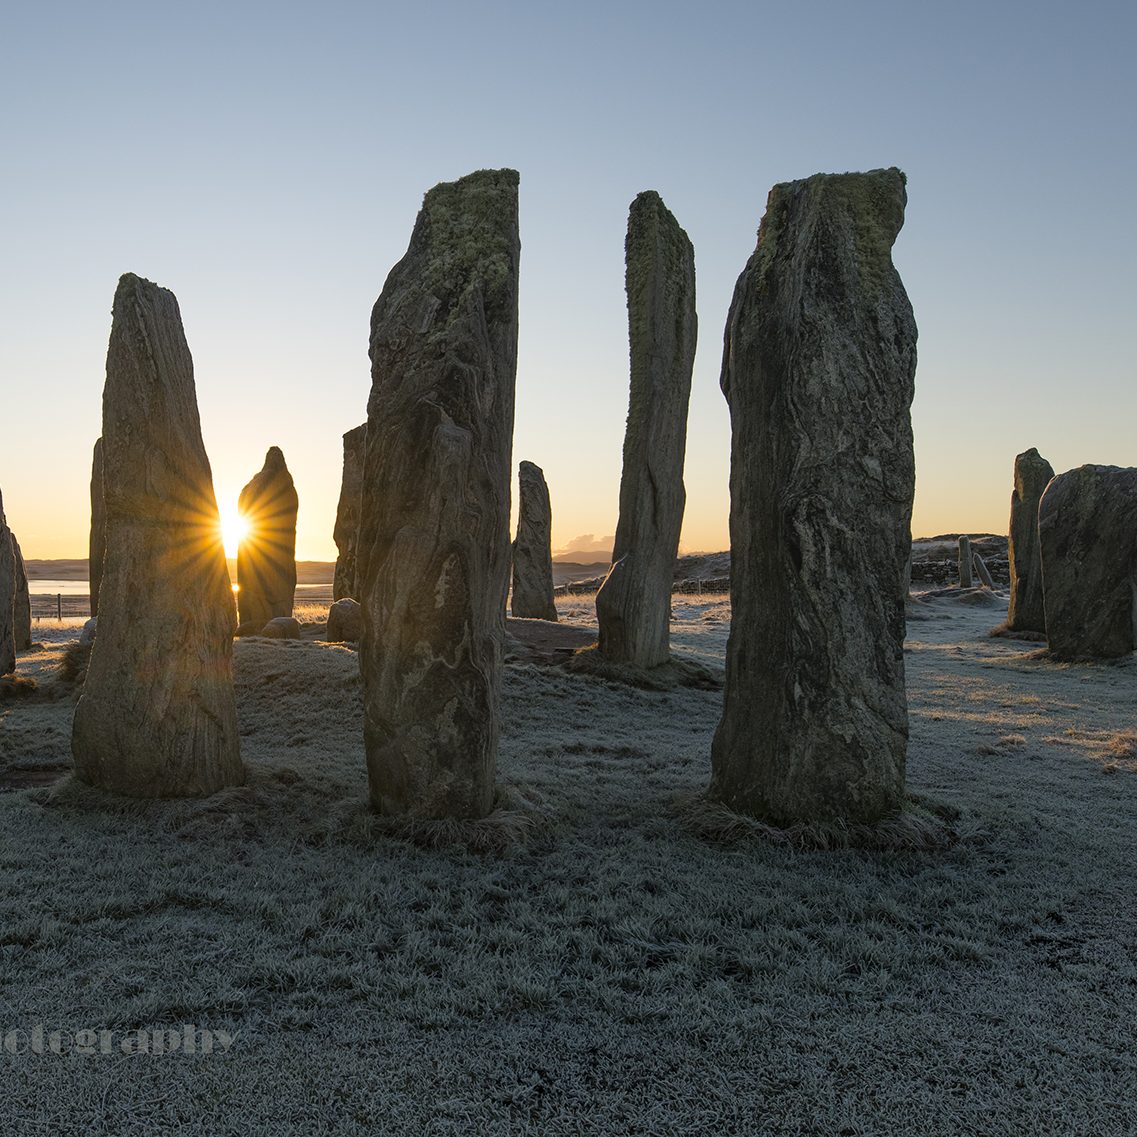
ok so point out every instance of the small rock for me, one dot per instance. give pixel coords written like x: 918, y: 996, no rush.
x: 344, y: 621
x: 282, y: 628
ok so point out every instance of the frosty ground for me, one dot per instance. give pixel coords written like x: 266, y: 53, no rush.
x: 611, y: 972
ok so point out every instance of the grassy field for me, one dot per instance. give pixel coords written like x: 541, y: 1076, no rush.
x: 610, y: 972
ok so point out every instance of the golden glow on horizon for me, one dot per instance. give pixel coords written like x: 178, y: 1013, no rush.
x: 234, y: 528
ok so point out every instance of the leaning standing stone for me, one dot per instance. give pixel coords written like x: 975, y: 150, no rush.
x: 346, y: 532
x: 266, y: 557
x: 1087, y: 529
x: 633, y: 606
x: 532, y: 551
x: 157, y: 717
x: 7, y: 596
x: 434, y: 511
x: 98, y: 540
x: 21, y: 600
x: 1026, y: 612
x: 818, y: 368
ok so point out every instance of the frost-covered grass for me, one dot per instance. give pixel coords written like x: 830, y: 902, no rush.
x: 610, y: 972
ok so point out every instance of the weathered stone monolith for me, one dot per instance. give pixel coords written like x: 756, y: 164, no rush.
x: 7, y: 595
x: 633, y: 606
x: 532, y: 551
x: 1087, y: 531
x: 433, y: 555
x: 98, y: 540
x: 21, y: 599
x: 1025, y: 611
x: 346, y: 532
x: 157, y: 717
x: 818, y: 367
x: 966, y: 573
x: 266, y: 556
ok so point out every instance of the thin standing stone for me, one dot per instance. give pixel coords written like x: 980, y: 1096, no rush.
x: 266, y: 556
x: 98, y: 540
x: 346, y: 532
x: 533, y: 596
x: 1025, y: 610
x: 433, y: 558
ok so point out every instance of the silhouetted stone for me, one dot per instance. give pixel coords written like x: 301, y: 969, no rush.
x: 157, y: 717
x: 344, y: 622
x: 433, y: 555
x: 532, y: 596
x: 7, y: 596
x: 633, y: 606
x: 818, y: 367
x: 966, y: 576
x: 346, y: 532
x: 98, y: 540
x: 1026, y: 611
x: 266, y: 557
x: 1087, y: 530
x: 21, y: 600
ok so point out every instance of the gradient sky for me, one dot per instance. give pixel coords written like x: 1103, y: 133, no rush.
x: 267, y: 163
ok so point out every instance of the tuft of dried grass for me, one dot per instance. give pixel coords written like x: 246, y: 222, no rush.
x: 73, y: 665
x: 16, y: 686
x: 919, y: 827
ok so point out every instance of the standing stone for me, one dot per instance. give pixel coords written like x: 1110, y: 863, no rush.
x: 818, y: 368
x: 633, y: 606
x: 266, y: 556
x: 1026, y: 612
x: 7, y: 597
x: 157, y: 717
x: 21, y: 599
x: 433, y: 555
x: 346, y: 532
x: 532, y: 551
x: 98, y: 541
x: 1087, y: 530
x: 966, y: 578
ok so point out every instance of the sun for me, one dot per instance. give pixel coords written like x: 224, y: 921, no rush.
x: 234, y: 527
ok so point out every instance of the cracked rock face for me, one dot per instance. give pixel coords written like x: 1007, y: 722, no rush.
x: 7, y: 596
x: 266, y: 557
x: 532, y: 596
x: 1025, y: 611
x: 633, y: 606
x: 98, y: 541
x: 157, y: 717
x: 346, y: 532
x: 1087, y: 529
x: 818, y: 367
x: 434, y: 553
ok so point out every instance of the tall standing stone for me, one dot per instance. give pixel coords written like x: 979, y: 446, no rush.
x: 98, y: 541
x: 433, y: 558
x: 1087, y: 531
x: 266, y: 556
x: 346, y: 532
x: 7, y: 596
x: 533, y: 596
x: 633, y: 606
x: 966, y: 575
x: 157, y: 717
x: 21, y: 599
x: 818, y: 368
x: 1026, y: 612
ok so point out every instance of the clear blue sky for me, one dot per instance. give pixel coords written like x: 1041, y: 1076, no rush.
x: 267, y: 163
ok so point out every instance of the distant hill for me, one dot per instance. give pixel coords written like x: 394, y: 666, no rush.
x: 307, y: 572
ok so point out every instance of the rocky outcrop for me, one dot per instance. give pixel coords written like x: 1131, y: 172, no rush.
x: 266, y: 557
x: 818, y: 368
x: 633, y: 606
x: 433, y: 555
x: 532, y: 596
x: 98, y: 540
x: 1026, y: 611
x: 1087, y: 531
x: 21, y: 600
x: 346, y: 532
x: 157, y: 717
x: 7, y: 595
